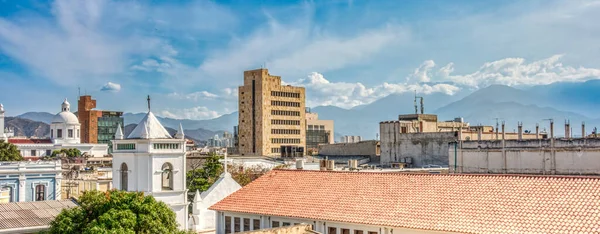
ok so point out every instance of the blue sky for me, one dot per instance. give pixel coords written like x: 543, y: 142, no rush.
x: 190, y: 55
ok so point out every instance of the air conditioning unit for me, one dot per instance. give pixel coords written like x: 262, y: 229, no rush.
x: 300, y: 164
x: 352, y: 164
x: 330, y: 165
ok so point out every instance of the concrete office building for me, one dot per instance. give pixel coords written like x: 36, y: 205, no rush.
x: 97, y: 126
x: 271, y: 116
x: 318, y: 131
x: 420, y: 139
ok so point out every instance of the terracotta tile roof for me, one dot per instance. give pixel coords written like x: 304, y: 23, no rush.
x: 29, y: 141
x: 31, y: 214
x: 451, y: 203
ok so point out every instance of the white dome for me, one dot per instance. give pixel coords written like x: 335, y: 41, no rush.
x: 65, y: 117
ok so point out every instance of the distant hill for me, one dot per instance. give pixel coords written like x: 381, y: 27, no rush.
x: 577, y: 101
x: 43, y: 117
x: 28, y: 128
x: 196, y: 135
x: 222, y: 123
x: 513, y: 105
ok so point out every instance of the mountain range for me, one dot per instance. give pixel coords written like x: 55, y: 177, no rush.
x: 577, y: 102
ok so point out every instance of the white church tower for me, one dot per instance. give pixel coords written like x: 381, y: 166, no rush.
x: 149, y: 160
x: 2, y: 134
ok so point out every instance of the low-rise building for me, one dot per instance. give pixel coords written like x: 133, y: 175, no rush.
x: 420, y: 139
x: 385, y: 203
x: 30, y: 181
x: 86, y: 174
x: 318, y: 132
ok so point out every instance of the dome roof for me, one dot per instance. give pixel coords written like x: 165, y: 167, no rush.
x: 65, y: 117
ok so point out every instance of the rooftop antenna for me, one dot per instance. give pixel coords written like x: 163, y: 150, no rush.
x: 148, y: 103
x: 416, y: 108
x: 79, y: 91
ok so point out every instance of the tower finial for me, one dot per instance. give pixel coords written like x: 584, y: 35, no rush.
x: 148, y: 103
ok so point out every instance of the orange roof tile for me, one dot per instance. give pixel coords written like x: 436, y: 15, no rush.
x: 454, y: 203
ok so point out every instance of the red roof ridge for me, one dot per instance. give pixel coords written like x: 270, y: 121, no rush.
x: 451, y: 174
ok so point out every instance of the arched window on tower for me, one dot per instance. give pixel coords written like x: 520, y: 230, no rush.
x: 167, y: 176
x: 124, y: 176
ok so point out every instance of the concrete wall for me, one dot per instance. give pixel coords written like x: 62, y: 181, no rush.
x: 424, y: 148
x: 363, y: 148
x: 558, y: 156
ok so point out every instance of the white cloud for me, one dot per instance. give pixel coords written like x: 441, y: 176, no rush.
x: 508, y: 71
x: 515, y: 71
x: 111, y: 87
x: 421, y: 74
x: 321, y: 91
x: 196, y: 113
x: 99, y: 39
x: 194, y: 96
x: 299, y: 47
x: 150, y: 65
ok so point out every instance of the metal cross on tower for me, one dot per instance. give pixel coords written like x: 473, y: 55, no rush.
x: 148, y: 103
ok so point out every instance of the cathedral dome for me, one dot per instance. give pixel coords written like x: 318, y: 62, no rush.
x: 65, y: 117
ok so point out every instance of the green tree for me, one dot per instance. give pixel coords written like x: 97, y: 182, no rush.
x: 9, y: 152
x: 116, y: 212
x: 202, y: 178
x: 71, y: 153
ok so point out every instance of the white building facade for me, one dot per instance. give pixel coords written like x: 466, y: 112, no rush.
x: 30, y: 181
x: 204, y: 220
x: 64, y: 134
x: 149, y: 160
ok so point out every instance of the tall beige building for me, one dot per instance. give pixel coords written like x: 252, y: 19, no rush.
x: 271, y: 116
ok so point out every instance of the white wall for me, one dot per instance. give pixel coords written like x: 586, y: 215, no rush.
x: 577, y: 156
x: 318, y: 225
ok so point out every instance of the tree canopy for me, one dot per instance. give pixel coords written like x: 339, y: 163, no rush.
x: 202, y: 178
x: 9, y: 152
x: 116, y: 212
x: 68, y: 152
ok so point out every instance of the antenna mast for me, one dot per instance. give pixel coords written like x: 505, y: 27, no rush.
x: 416, y: 108
x: 422, y: 105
